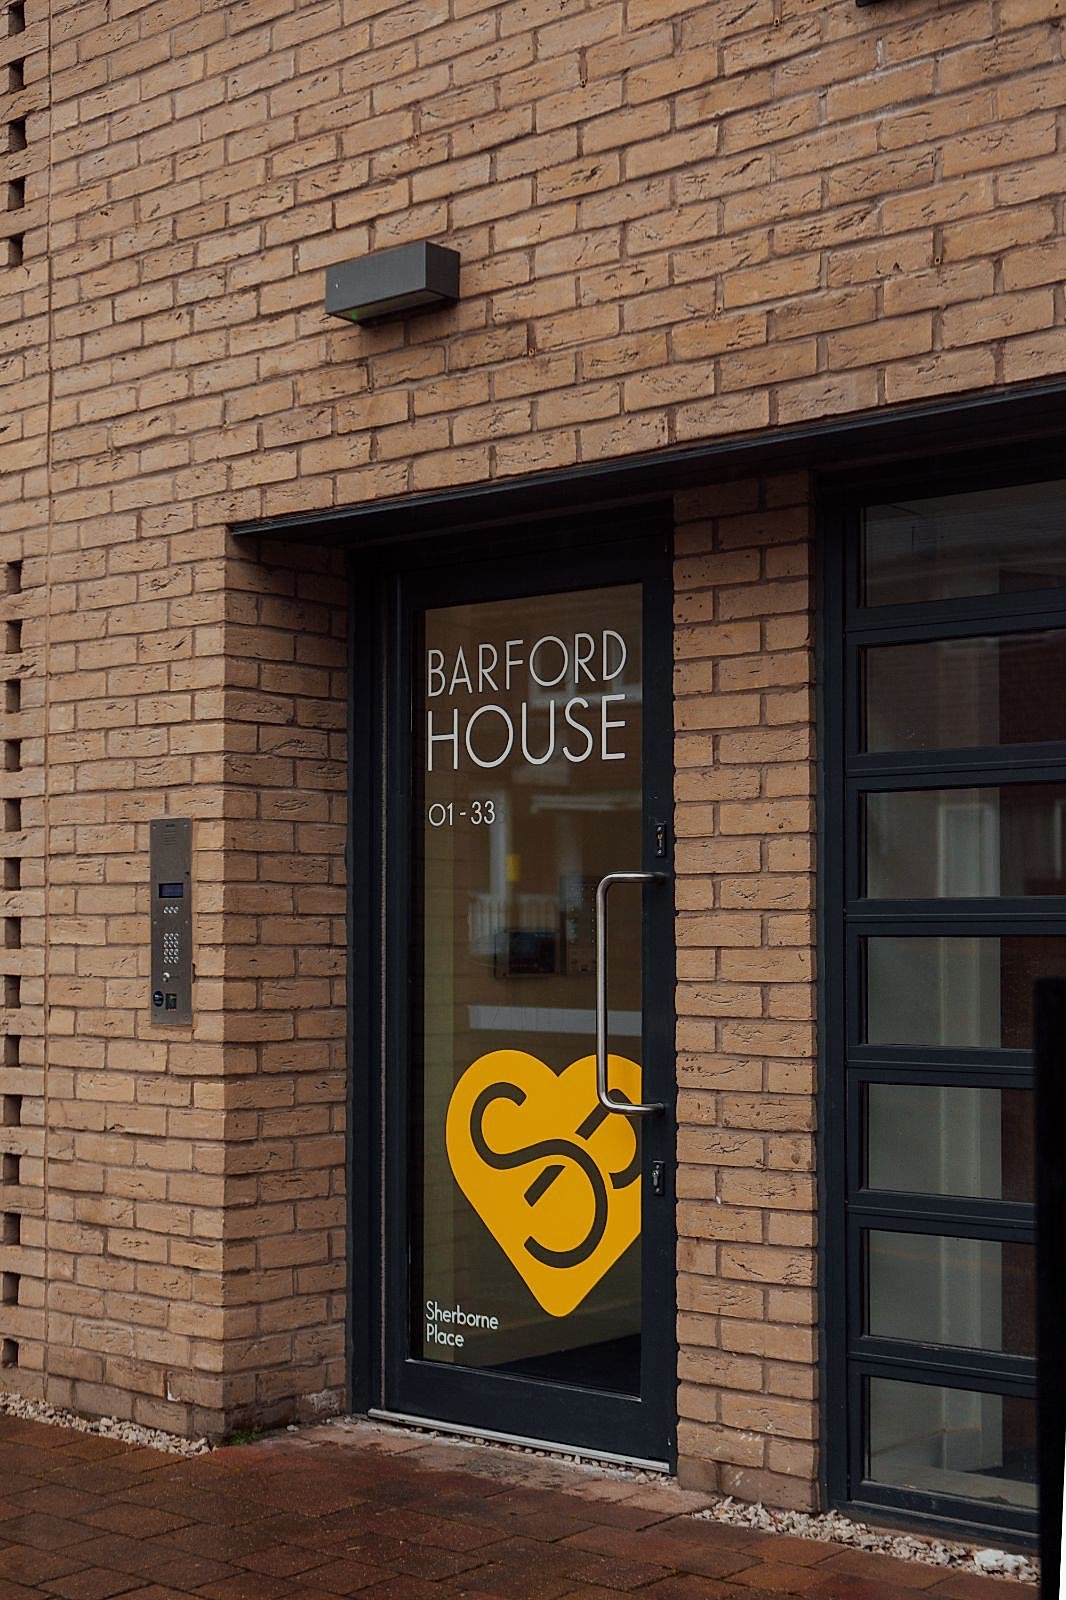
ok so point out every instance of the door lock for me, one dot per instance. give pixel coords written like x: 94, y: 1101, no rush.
x: 658, y: 1177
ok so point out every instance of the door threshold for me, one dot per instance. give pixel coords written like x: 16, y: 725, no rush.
x: 490, y: 1436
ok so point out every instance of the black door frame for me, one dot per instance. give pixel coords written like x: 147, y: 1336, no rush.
x: 388, y: 585
x: 849, y: 1356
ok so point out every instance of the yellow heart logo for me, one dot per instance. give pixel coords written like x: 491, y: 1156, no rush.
x: 553, y: 1176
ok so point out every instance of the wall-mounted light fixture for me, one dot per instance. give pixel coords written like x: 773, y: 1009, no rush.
x: 410, y: 277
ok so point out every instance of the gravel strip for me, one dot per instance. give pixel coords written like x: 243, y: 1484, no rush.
x: 833, y: 1528
x: 15, y: 1405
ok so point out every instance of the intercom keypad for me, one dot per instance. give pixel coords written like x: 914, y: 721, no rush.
x: 171, y: 867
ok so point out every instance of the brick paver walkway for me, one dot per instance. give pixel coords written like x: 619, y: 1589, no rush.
x: 360, y: 1510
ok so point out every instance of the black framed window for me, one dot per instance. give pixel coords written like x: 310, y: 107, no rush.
x: 944, y: 884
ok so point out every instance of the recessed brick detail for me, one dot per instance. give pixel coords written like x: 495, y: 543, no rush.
x: 280, y: 956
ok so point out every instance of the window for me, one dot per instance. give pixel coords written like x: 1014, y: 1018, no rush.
x: 945, y: 893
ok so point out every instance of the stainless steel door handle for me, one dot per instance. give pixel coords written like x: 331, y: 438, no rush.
x: 603, y: 1094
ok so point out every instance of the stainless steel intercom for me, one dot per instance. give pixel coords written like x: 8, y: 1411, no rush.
x: 170, y: 842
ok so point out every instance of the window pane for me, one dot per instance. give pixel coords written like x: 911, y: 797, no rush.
x: 956, y: 694
x: 937, y: 1440
x: 993, y: 542
x: 969, y: 993
x: 932, y: 843
x: 931, y: 1139
x: 934, y: 1289
x: 526, y: 1196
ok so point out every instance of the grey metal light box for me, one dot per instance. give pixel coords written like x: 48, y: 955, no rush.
x: 409, y: 277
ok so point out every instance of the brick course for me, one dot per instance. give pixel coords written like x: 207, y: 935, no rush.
x: 677, y: 221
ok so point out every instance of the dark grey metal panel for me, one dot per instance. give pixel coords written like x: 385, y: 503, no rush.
x: 400, y: 279
x: 170, y: 842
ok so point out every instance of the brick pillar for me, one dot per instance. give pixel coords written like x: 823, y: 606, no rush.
x: 133, y: 613
x: 745, y: 1032
x: 282, y: 958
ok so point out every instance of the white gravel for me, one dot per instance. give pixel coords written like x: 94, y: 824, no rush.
x: 15, y: 1405
x: 836, y: 1529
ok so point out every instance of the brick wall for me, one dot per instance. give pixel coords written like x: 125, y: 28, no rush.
x: 189, y: 1271
x: 192, y: 1262
x: 136, y: 1126
x: 744, y: 751
x: 677, y: 221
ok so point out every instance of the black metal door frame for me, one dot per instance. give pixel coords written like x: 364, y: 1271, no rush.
x: 390, y: 588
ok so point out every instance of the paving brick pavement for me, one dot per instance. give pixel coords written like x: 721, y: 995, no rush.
x: 354, y: 1510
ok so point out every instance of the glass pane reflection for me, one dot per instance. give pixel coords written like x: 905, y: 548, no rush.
x: 935, y: 1139
x: 935, y: 843
x: 996, y: 541
x: 960, y: 694
x: 946, y: 1290
x: 968, y: 993
x: 936, y: 1440
x: 526, y: 1194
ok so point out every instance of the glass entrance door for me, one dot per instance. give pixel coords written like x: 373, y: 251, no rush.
x: 535, y: 1178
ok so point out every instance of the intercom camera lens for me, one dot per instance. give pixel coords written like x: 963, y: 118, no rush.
x: 157, y: 997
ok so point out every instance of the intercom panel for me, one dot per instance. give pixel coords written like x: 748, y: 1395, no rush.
x: 170, y: 841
